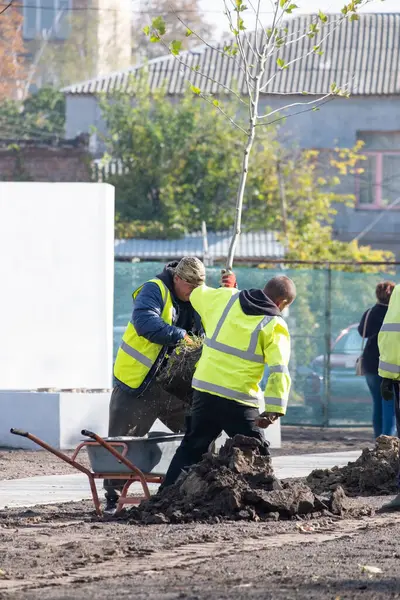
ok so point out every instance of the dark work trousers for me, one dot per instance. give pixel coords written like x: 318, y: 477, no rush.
x: 396, y: 385
x: 210, y: 415
x: 134, y: 416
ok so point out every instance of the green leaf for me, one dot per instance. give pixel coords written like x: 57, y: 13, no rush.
x: 305, y: 93
x: 188, y: 32
x: 239, y: 6
x: 282, y: 3
x: 154, y: 38
x: 146, y: 30
x: 241, y: 25
x: 215, y: 102
x: 322, y: 16
x: 315, y: 108
x: 195, y: 90
x: 291, y: 8
x: 354, y: 17
x: 175, y: 47
x: 158, y: 24
x: 281, y: 63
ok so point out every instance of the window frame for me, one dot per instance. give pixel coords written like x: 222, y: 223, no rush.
x: 377, y: 204
x: 37, y: 5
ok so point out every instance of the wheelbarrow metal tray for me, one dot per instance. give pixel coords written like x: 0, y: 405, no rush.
x: 151, y: 454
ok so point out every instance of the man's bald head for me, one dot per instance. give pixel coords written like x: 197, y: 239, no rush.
x: 281, y: 290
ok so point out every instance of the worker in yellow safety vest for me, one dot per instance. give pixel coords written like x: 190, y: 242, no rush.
x: 389, y: 365
x: 162, y: 316
x: 244, y: 332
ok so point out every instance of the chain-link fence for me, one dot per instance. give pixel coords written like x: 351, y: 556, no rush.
x: 323, y: 325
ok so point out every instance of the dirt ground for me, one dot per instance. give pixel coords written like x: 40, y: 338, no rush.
x: 15, y: 464
x: 64, y: 552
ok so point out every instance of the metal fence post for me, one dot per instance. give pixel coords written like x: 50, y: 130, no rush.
x: 327, y: 354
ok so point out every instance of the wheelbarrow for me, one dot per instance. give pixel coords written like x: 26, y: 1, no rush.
x: 132, y: 459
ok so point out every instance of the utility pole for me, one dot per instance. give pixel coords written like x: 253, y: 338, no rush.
x: 282, y: 194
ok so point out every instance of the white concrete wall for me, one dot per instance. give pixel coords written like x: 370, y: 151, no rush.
x: 56, y: 276
x: 56, y: 418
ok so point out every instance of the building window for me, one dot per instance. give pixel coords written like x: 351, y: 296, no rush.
x: 46, y: 18
x: 379, y: 185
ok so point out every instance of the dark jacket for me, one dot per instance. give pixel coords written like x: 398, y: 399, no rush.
x: 374, y: 324
x: 146, y: 318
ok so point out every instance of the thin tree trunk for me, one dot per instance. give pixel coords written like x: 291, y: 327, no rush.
x: 245, y: 165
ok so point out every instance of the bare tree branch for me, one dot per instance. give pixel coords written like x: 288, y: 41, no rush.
x: 217, y: 106
x: 198, y: 72
x: 277, y: 110
x: 300, y: 112
x: 203, y: 41
x: 6, y: 7
x: 242, y: 54
x: 223, y: 113
x: 258, y: 23
x: 295, y: 60
x: 245, y: 36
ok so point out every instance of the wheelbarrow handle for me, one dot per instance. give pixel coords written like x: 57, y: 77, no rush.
x: 88, y: 433
x: 19, y: 432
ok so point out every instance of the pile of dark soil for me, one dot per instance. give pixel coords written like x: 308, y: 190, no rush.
x: 373, y: 474
x: 176, y: 377
x: 239, y: 483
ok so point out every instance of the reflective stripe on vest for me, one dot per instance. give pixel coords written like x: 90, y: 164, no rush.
x: 250, y: 353
x: 279, y: 369
x: 391, y: 327
x: 136, y: 355
x: 132, y: 351
x: 391, y: 368
x: 224, y: 391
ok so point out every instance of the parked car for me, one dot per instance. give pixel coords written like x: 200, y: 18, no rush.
x: 345, y: 385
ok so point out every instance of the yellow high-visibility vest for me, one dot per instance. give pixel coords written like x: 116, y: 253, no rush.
x: 136, y: 355
x: 237, y: 347
x: 389, y: 339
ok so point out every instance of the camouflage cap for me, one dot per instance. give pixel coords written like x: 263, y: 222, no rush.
x: 191, y: 270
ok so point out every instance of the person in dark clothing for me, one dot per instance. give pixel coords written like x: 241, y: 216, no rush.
x: 244, y: 331
x: 162, y: 316
x: 383, y: 413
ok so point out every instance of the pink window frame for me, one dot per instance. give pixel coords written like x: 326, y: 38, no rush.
x: 377, y: 204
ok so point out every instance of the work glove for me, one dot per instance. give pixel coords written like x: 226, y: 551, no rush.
x: 387, y: 389
x: 228, y: 279
x: 266, y: 419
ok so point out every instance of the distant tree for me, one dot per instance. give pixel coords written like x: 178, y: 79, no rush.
x: 40, y: 116
x: 12, y: 62
x: 179, y: 162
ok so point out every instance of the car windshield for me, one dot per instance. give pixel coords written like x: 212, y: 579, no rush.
x: 349, y: 343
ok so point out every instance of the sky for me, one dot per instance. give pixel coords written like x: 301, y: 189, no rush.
x: 213, y: 9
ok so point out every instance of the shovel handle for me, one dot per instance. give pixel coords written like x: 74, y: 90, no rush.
x: 19, y: 432
x: 88, y: 433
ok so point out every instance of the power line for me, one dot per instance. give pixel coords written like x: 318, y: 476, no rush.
x: 154, y: 12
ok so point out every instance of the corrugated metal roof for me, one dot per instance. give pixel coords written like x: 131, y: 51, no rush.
x: 363, y: 53
x: 254, y: 245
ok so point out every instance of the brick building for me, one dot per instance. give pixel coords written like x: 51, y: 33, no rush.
x: 64, y: 161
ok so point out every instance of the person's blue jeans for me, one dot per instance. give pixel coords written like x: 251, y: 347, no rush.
x: 383, y: 413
